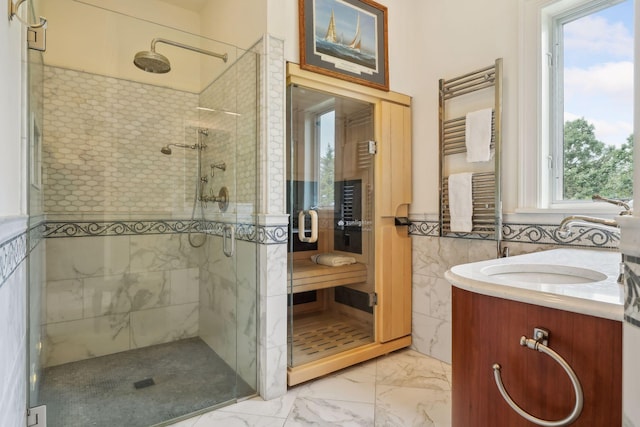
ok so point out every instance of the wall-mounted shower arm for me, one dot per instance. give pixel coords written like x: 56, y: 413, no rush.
x: 222, y: 56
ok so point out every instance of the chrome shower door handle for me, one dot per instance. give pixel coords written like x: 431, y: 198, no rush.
x: 302, y: 233
x: 231, y: 249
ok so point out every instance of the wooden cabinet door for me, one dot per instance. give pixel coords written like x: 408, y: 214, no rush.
x: 487, y: 330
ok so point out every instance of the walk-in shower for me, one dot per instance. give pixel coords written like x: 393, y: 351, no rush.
x: 154, y: 62
x: 142, y: 316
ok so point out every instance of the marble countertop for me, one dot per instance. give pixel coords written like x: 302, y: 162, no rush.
x: 602, y: 298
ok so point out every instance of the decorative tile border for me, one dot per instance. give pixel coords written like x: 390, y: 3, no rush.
x: 248, y: 232
x: 12, y: 253
x: 548, y: 234
x: 533, y: 233
x: 424, y: 228
x: 632, y: 290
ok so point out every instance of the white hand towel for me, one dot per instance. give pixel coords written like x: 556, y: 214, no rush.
x: 478, y: 135
x: 461, y: 202
x: 333, y: 260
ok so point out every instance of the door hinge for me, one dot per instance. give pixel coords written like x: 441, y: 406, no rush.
x: 37, y: 416
x: 373, y: 299
x: 373, y: 147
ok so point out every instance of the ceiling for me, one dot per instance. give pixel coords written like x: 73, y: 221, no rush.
x: 194, y: 5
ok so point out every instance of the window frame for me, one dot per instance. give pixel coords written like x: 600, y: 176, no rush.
x: 538, y: 87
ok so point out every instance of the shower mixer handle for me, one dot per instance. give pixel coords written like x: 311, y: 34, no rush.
x: 222, y: 198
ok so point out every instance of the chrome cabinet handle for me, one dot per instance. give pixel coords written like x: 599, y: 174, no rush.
x: 542, y: 348
x: 302, y: 233
x: 232, y: 237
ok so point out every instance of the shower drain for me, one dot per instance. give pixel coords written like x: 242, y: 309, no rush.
x: 147, y: 382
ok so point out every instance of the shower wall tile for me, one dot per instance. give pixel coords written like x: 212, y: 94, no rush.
x: 159, y: 252
x: 69, y: 258
x: 185, y: 285
x: 247, y: 363
x: 232, y: 137
x: 161, y: 325
x: 86, y: 338
x: 102, y: 140
x: 151, y: 272
x: 64, y: 301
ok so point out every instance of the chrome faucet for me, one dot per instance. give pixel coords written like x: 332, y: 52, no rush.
x: 607, y: 224
x: 564, y: 230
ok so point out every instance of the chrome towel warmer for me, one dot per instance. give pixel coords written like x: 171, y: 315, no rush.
x: 540, y: 344
x: 487, y: 200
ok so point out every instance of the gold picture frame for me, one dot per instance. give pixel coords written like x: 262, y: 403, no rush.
x: 346, y: 39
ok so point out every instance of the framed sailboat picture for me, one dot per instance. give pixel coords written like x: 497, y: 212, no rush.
x: 346, y: 39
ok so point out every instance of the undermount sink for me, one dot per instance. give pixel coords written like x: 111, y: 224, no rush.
x: 543, y: 273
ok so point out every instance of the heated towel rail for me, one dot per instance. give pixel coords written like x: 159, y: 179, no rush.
x: 487, y: 202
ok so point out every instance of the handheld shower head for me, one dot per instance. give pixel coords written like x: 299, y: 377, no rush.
x: 167, y: 148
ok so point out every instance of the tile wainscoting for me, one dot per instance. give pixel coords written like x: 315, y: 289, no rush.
x: 13, y: 325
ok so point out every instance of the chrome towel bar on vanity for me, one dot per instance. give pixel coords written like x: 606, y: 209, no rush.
x: 540, y: 344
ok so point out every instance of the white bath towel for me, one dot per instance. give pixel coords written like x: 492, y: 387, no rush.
x: 478, y: 135
x: 461, y: 202
x: 332, y: 259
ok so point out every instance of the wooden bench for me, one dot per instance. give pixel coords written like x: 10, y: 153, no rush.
x: 308, y: 276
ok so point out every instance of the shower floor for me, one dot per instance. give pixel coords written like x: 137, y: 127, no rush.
x: 100, y: 392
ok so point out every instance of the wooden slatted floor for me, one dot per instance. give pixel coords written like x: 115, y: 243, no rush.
x: 317, y: 336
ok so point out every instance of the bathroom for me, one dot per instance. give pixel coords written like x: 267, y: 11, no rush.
x: 427, y: 41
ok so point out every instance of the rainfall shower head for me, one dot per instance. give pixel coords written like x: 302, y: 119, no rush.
x: 153, y: 62
x: 165, y: 150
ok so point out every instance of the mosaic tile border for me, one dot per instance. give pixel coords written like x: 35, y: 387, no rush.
x: 632, y: 290
x: 583, y: 236
x: 12, y: 253
x: 247, y: 232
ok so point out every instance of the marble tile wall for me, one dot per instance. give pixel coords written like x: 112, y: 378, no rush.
x: 101, y: 145
x: 272, y: 265
x: 13, y: 325
x: 233, y: 137
x: 110, y: 294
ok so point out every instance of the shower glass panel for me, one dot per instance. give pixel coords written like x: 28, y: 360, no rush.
x: 139, y: 314
x: 330, y: 201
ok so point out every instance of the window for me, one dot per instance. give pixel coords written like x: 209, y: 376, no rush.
x: 326, y: 136
x: 576, y: 102
x: 591, y: 60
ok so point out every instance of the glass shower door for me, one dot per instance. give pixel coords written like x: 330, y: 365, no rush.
x: 139, y: 312
x: 330, y: 201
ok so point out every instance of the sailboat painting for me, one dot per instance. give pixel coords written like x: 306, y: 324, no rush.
x: 347, y: 34
x: 346, y: 37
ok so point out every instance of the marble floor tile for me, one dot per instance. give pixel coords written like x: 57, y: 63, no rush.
x: 356, y: 384
x: 405, y: 406
x: 405, y: 388
x: 408, y: 368
x: 320, y: 412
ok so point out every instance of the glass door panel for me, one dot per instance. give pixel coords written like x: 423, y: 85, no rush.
x: 330, y: 201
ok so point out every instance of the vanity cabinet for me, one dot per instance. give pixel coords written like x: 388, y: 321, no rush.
x: 487, y: 330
